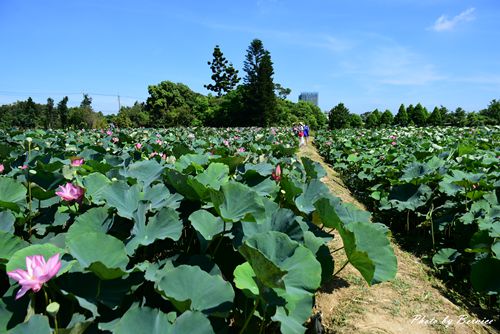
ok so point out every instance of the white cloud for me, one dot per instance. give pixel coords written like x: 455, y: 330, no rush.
x: 443, y: 23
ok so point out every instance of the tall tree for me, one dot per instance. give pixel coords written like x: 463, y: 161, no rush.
x: 50, y: 116
x: 418, y: 115
x: 63, y: 112
x: 86, y: 102
x: 435, y: 118
x: 224, y: 75
x: 386, y: 119
x: 260, y: 108
x: 338, y: 117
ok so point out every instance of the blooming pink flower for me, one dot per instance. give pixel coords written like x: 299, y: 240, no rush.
x: 138, y: 146
x: 153, y: 154
x: 38, y: 272
x: 159, y: 142
x: 276, y: 175
x: 392, y: 137
x: 114, y: 140
x: 23, y: 167
x: 226, y: 142
x: 241, y: 149
x: 77, y: 162
x: 2, y: 168
x: 393, y: 143
x: 109, y: 132
x: 70, y: 192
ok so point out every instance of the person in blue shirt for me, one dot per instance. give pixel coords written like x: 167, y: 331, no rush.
x: 306, y: 132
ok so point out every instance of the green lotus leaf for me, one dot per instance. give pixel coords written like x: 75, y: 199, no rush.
x: 313, y: 169
x: 244, y: 279
x: 94, y: 220
x: 9, y: 244
x: 7, y: 221
x: 192, y: 322
x: 214, y: 176
x: 312, y: 192
x: 366, y: 244
x: 146, y: 171
x: 36, y: 324
x: 165, y: 224
x: 206, y: 223
x: 103, y: 254
x: 12, y: 193
x: 445, y: 256
x: 122, y: 197
x: 159, y: 196
x: 238, y: 202
x: 139, y: 320
x: 94, y: 185
x: 190, y: 288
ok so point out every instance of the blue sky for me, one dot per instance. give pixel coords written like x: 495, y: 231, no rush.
x: 366, y: 54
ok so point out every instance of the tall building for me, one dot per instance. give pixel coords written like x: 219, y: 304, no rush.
x: 309, y: 97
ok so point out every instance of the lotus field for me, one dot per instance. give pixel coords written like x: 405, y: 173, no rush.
x: 440, y: 184
x: 186, y: 230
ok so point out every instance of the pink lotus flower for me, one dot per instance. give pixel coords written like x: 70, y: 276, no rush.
x: 23, y: 167
x: 226, y: 142
x: 2, y: 168
x: 114, y: 140
x: 38, y: 272
x: 392, y: 137
x: 241, y: 149
x: 109, y: 132
x: 153, y: 154
x: 138, y: 146
x: 77, y: 162
x: 70, y: 192
x: 159, y: 142
x: 276, y: 175
x: 393, y: 143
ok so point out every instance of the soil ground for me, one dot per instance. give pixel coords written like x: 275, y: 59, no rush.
x: 412, y: 303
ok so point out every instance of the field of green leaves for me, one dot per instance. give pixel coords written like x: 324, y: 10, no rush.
x: 187, y: 230
x: 441, y: 185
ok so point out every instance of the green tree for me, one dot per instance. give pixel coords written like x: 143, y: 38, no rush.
x: 355, y: 121
x: 281, y: 91
x: 63, y: 112
x: 260, y: 107
x: 50, y: 116
x: 402, y: 116
x: 418, y: 115
x: 338, y: 117
x: 373, y: 119
x: 135, y: 116
x: 86, y: 102
x: 435, y: 118
x: 224, y: 75
x: 386, y: 119
x: 458, y: 118
x: 492, y: 113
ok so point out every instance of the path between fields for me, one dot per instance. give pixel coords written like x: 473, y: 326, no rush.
x: 349, y: 305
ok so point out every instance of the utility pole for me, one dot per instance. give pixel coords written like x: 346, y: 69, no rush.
x: 119, y: 106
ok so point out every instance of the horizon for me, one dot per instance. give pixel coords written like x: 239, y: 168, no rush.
x: 389, y: 53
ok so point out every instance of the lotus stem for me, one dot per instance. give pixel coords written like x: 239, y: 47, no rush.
x: 247, y: 321
x: 336, y: 250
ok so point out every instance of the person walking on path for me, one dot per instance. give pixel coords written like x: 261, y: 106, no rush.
x: 306, y: 132
x: 301, y: 135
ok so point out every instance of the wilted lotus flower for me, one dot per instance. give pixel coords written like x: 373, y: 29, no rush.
x: 138, y: 146
x: 77, y: 162
x: 2, y: 168
x: 70, y: 192
x: 276, y: 175
x: 38, y: 272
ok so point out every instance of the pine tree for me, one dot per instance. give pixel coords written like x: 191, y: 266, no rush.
x: 435, y: 117
x: 224, y: 75
x: 62, y: 110
x: 401, y: 118
x: 260, y: 107
x: 338, y: 117
x: 50, y: 117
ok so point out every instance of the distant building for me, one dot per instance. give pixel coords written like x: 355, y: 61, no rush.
x: 309, y: 97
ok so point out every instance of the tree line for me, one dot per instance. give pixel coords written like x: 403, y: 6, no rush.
x: 339, y: 117
x: 257, y: 101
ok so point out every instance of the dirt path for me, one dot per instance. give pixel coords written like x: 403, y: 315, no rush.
x: 410, y: 304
